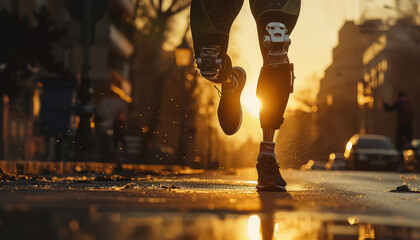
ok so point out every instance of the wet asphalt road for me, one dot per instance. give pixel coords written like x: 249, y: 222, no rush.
x: 212, y: 205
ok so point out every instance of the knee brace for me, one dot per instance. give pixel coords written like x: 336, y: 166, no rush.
x: 212, y: 67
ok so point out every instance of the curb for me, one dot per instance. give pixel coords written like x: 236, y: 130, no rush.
x: 69, y: 168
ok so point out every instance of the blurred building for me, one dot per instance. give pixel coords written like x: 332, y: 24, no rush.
x: 391, y: 64
x: 194, y: 109
x: 111, y: 58
x: 110, y: 71
x: 338, y: 109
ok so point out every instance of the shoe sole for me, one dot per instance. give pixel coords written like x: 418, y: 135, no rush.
x: 271, y: 186
x: 241, y: 88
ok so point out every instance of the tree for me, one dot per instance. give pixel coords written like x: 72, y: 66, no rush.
x: 408, y: 11
x: 23, y: 48
x: 154, y: 27
x: 408, y: 17
x: 187, y: 106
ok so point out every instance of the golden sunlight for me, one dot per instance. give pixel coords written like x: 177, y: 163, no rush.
x: 250, y: 101
x: 254, y: 223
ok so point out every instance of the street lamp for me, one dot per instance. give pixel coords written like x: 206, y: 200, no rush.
x: 87, y: 12
x: 183, y: 54
x: 83, y: 138
x: 183, y: 59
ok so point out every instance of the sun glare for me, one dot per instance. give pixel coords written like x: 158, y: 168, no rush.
x: 254, y: 223
x: 250, y: 101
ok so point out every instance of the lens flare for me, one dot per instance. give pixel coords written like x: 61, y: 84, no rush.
x: 254, y: 223
x: 250, y: 101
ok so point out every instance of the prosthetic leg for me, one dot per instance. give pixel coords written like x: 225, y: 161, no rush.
x: 211, y: 21
x: 275, y: 21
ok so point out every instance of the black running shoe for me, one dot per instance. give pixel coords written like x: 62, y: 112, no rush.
x: 230, y: 111
x: 269, y: 177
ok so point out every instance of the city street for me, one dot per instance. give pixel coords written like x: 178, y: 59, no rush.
x: 211, y: 205
x: 129, y: 119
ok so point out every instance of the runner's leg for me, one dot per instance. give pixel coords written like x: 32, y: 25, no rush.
x: 275, y: 21
x: 211, y: 21
x: 276, y: 78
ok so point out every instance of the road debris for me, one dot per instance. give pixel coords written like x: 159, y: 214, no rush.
x: 404, y: 189
x: 169, y: 187
x: 126, y: 186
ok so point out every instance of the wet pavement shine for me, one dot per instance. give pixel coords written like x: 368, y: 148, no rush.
x: 211, y: 205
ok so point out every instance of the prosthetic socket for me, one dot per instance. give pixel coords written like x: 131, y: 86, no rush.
x: 212, y: 66
x: 276, y: 77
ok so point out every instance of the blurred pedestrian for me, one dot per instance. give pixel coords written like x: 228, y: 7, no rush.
x: 119, y: 126
x: 404, y: 132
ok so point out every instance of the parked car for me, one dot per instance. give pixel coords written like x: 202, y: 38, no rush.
x: 314, y: 165
x: 371, y: 152
x: 336, y: 161
x: 412, y: 156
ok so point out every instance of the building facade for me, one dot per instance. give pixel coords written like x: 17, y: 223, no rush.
x: 390, y: 66
x: 110, y: 54
x: 338, y: 109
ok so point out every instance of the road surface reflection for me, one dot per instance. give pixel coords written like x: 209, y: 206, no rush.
x: 22, y: 223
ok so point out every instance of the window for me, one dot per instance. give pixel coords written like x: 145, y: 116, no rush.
x: 329, y: 100
x: 384, y: 65
x: 366, y: 77
x: 374, y: 143
x: 36, y: 103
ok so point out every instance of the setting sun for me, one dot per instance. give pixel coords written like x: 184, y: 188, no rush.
x: 250, y: 101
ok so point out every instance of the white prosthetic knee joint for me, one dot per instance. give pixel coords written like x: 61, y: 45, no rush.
x: 276, y: 43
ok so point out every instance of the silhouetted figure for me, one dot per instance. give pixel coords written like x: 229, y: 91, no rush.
x: 404, y: 111
x: 119, y: 125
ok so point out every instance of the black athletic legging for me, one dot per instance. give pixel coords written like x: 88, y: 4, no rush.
x: 211, y: 21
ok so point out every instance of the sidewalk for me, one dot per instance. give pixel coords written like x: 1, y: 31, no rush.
x: 70, y: 168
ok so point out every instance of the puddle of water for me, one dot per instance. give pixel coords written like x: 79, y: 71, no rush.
x: 93, y: 224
